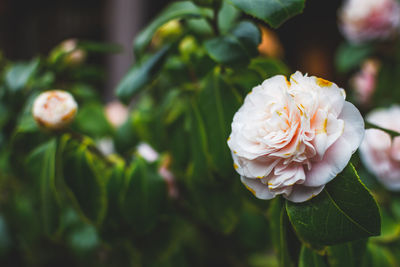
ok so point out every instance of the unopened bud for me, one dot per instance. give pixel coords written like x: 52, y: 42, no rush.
x: 54, y: 109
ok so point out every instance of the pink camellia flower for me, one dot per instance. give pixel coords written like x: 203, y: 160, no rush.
x: 292, y: 138
x: 379, y: 153
x: 366, y: 20
x: 54, y: 109
x: 364, y: 82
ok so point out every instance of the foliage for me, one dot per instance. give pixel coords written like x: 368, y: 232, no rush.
x: 65, y: 202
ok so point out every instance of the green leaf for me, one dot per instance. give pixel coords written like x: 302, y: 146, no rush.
x: 141, y: 75
x: 310, y: 258
x: 144, y: 196
x: 344, y: 211
x: 217, y: 206
x: 177, y: 10
x: 378, y: 256
x: 227, y: 17
x: 350, y: 56
x: 349, y: 254
x: 91, y: 121
x: 198, y: 171
x: 236, y: 47
x: 19, y: 74
x: 284, y: 241
x: 268, y: 67
x: 85, y: 176
x: 42, y: 165
x: 218, y: 102
x: 273, y: 12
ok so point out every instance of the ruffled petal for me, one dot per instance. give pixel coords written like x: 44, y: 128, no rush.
x: 338, y: 155
x: 259, y: 189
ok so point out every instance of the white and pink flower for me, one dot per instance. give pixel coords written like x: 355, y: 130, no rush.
x: 54, y: 109
x: 366, y: 20
x: 364, y: 82
x: 292, y: 137
x: 379, y: 152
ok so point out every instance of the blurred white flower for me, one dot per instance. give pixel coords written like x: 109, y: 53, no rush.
x: 147, y: 152
x: 292, y: 138
x: 116, y: 113
x: 106, y: 146
x: 54, y: 109
x: 76, y: 57
x: 366, y: 20
x: 380, y: 153
x: 364, y: 82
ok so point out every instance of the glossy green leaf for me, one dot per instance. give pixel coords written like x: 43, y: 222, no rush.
x: 236, y: 47
x: 274, y: 12
x: 344, y: 211
x: 310, y: 258
x: 42, y: 165
x: 350, y: 56
x: 198, y: 171
x: 227, y: 17
x: 141, y: 75
x: 177, y: 10
x: 218, y: 102
x: 85, y: 176
x: 19, y: 74
x: 349, y: 254
x: 144, y: 196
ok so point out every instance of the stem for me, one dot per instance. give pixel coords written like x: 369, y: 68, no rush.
x: 214, y: 20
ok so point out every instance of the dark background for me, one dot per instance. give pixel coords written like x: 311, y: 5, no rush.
x: 32, y: 27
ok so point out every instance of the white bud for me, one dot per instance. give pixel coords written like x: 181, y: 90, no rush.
x: 54, y: 109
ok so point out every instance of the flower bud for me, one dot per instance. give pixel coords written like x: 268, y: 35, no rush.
x: 54, y: 109
x: 75, y: 58
x: 168, y: 32
x: 68, y: 53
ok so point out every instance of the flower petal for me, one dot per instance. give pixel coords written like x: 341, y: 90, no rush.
x: 259, y: 189
x: 338, y: 155
x: 301, y: 193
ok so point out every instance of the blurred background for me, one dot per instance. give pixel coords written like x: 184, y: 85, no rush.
x: 33, y: 27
